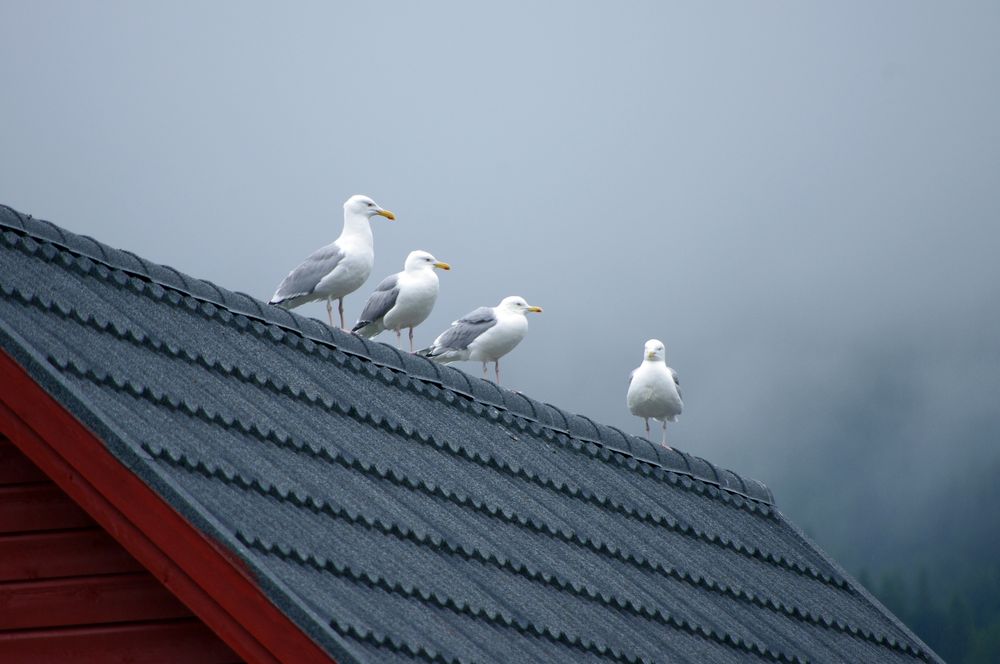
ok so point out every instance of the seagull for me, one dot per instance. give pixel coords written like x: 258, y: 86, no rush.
x: 484, y: 335
x: 654, y: 389
x: 339, y: 268
x: 404, y: 299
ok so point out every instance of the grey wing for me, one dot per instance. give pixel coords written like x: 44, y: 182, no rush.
x: 677, y: 382
x: 380, y: 302
x: 304, y: 279
x: 466, y: 329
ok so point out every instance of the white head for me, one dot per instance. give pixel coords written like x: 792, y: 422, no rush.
x: 422, y: 260
x: 363, y: 206
x: 655, y: 351
x: 516, y: 304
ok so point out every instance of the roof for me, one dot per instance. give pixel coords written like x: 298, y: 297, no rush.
x: 396, y: 510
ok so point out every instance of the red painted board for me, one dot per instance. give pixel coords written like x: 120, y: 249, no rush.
x: 86, y: 600
x: 40, y: 506
x: 15, y: 467
x: 206, y: 576
x: 187, y: 641
x: 45, y: 555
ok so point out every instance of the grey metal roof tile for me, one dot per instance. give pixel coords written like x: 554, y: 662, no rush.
x: 45, y: 230
x: 341, y: 481
x: 426, y: 514
x: 582, y: 427
x: 135, y: 264
x: 11, y: 218
x: 90, y: 247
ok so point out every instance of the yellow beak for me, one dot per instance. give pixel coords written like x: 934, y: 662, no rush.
x: 535, y: 310
x: 650, y: 356
x: 388, y: 215
x: 443, y: 266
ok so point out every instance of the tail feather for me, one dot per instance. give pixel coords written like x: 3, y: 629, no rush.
x: 367, y: 328
x: 433, y: 352
x: 438, y: 354
x: 288, y: 302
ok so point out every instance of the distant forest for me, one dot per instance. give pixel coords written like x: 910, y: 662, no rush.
x: 944, y: 582
x: 958, y: 616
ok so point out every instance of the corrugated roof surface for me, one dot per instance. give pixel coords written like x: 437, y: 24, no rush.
x: 398, y: 510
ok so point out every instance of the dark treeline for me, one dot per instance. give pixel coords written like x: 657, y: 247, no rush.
x: 958, y: 615
x: 927, y: 544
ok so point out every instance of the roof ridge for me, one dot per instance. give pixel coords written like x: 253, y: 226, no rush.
x: 250, y: 376
x: 535, y: 416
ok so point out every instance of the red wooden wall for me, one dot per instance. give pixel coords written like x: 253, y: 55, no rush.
x: 70, y: 593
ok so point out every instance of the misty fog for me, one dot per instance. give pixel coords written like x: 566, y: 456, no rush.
x: 801, y: 201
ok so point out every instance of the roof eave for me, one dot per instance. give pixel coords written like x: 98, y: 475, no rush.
x: 215, y: 585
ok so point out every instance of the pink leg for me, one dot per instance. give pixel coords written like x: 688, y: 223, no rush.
x: 663, y: 441
x: 329, y: 309
x: 343, y: 326
x: 399, y: 338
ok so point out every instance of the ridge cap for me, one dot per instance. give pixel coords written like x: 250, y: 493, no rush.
x: 454, y: 380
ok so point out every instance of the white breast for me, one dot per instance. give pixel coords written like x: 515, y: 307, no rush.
x: 652, y: 392
x: 500, y: 339
x: 351, y: 272
x: 417, y: 294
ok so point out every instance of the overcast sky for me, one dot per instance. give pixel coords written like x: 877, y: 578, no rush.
x: 800, y: 199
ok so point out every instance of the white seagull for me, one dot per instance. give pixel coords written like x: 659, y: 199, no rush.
x: 404, y: 299
x: 484, y: 335
x: 338, y: 268
x: 654, y: 389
